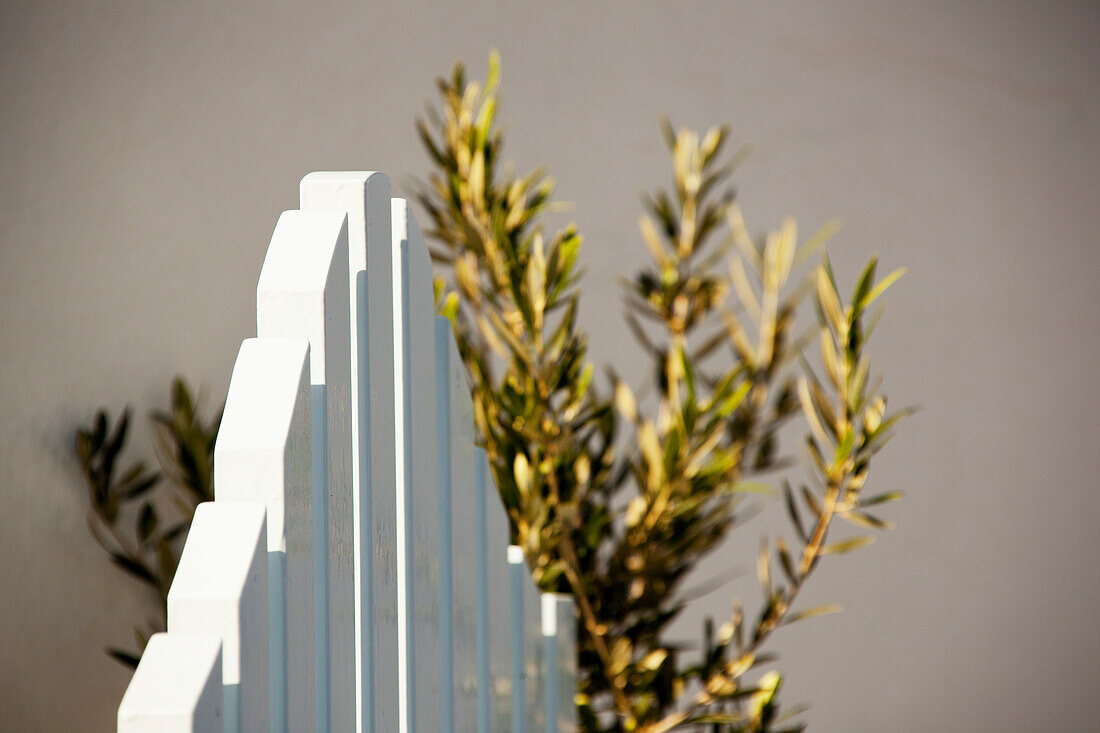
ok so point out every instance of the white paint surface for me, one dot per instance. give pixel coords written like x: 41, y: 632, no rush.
x: 263, y: 455
x: 534, y: 656
x: 559, y: 633
x: 457, y: 524
x: 528, y: 691
x: 220, y: 589
x: 365, y: 197
x: 303, y: 293
x: 494, y: 603
x: 417, y: 491
x: 177, y: 688
x: 518, y: 577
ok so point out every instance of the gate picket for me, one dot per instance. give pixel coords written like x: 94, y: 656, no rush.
x: 457, y: 573
x: 365, y: 196
x: 559, y: 632
x: 220, y: 588
x: 177, y: 687
x: 303, y: 293
x: 493, y: 615
x: 417, y: 490
x: 262, y: 454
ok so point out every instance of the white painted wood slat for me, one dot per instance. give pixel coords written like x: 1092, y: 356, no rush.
x: 303, y: 293
x: 416, y: 487
x: 494, y: 605
x: 534, y: 653
x: 220, y: 589
x: 517, y: 576
x: 365, y: 197
x: 559, y: 632
x: 262, y: 455
x: 528, y: 693
x: 457, y: 572
x: 177, y: 687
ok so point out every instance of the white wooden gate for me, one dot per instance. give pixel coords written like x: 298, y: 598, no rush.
x: 353, y: 572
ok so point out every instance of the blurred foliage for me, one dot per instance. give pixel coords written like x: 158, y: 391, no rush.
x: 139, y: 515
x: 616, y: 503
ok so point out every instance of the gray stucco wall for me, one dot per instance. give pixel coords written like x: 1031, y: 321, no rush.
x: 146, y: 150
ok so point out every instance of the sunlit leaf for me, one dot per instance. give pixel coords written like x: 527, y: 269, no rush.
x: 839, y: 548
x: 811, y: 612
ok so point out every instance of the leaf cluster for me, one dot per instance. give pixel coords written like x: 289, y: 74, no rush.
x: 616, y: 500
x: 140, y: 515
